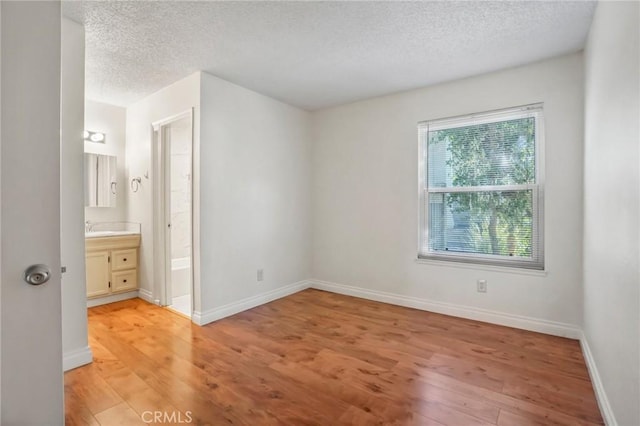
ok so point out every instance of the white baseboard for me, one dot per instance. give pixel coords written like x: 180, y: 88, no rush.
x: 113, y: 298
x: 146, y: 295
x: 202, y: 318
x: 598, y: 387
x: 485, y: 315
x: 76, y: 358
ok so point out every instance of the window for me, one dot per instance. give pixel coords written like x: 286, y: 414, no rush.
x: 481, y: 188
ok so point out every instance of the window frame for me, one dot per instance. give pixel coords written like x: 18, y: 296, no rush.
x: 424, y: 127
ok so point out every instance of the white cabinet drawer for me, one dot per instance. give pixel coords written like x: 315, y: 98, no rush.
x: 124, y: 281
x: 124, y: 259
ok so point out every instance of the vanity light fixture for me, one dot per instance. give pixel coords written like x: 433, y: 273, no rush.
x: 90, y: 136
x: 97, y: 137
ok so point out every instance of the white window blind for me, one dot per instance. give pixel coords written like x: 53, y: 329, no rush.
x: 481, y: 188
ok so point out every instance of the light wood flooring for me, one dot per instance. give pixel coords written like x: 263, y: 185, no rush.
x: 317, y: 358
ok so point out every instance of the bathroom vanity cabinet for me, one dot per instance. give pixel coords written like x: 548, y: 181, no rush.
x: 112, y: 265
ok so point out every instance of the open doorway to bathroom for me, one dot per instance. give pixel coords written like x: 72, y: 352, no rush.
x: 173, y: 140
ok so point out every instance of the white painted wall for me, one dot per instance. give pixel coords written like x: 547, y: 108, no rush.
x: 74, y: 293
x: 174, y: 99
x: 111, y: 120
x: 32, y: 381
x: 365, y: 193
x: 254, y: 192
x: 611, y: 205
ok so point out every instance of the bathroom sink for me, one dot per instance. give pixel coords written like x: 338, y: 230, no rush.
x: 96, y: 234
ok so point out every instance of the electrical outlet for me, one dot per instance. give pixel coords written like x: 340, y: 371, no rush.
x: 260, y: 274
x: 482, y: 286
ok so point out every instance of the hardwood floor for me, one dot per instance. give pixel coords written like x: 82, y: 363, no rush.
x: 317, y: 358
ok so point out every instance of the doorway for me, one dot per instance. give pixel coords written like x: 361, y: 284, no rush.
x: 173, y: 139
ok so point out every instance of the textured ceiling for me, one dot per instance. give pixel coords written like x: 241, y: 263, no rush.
x: 316, y: 54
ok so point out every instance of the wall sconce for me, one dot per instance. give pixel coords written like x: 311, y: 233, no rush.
x: 97, y: 137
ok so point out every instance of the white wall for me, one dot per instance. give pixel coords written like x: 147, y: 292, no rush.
x: 74, y: 293
x: 365, y: 202
x: 252, y: 178
x: 254, y: 190
x: 611, y: 205
x: 172, y: 100
x: 110, y: 120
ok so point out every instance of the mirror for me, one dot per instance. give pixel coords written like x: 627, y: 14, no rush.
x: 100, y: 183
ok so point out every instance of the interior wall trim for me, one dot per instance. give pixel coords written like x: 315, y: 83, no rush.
x: 118, y: 297
x: 539, y: 325
x: 146, y: 295
x: 596, y: 381
x: 494, y: 317
x: 206, y: 317
x: 76, y: 358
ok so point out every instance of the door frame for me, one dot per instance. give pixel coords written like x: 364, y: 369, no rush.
x: 162, y: 210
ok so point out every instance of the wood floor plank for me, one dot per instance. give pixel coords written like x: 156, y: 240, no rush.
x: 119, y: 415
x: 507, y: 418
x: 343, y: 390
x: 572, y: 404
x: 184, y: 396
x: 504, y: 402
x: 76, y: 411
x: 501, y: 343
x: 319, y: 358
x: 434, y: 335
x: 91, y: 389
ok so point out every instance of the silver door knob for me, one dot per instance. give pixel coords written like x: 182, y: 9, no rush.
x: 37, y: 274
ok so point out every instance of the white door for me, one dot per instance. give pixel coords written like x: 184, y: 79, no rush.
x: 31, y: 377
x: 173, y: 212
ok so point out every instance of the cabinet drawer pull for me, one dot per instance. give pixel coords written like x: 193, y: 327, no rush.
x: 124, y: 281
x: 124, y: 260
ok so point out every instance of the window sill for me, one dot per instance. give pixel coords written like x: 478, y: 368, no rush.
x: 492, y: 268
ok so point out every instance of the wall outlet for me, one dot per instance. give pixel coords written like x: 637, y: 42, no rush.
x: 482, y: 286
x: 260, y: 274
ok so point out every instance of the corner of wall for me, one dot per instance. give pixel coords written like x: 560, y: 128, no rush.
x: 610, y: 282
x: 596, y: 380
x: 74, y: 308
x: 257, y: 152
